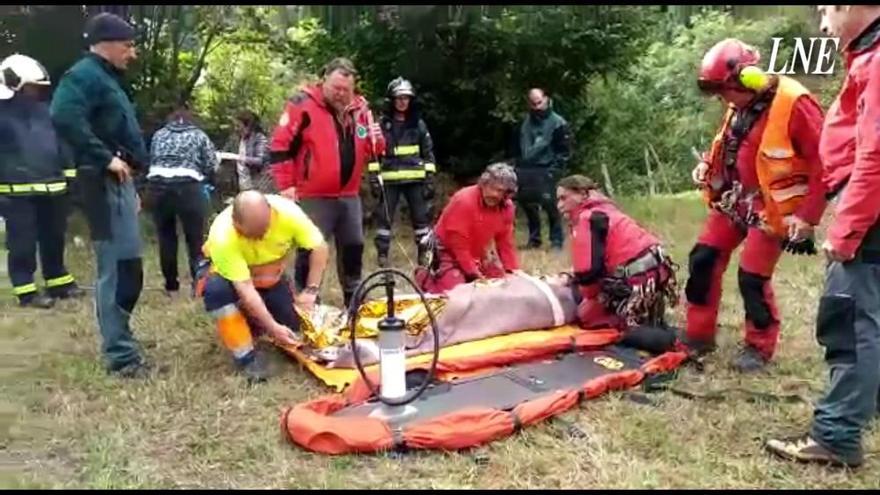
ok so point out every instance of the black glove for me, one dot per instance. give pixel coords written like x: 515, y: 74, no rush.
x: 375, y: 186
x: 805, y: 246
x: 428, y: 192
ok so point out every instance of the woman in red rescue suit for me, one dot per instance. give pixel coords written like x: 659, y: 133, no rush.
x: 623, y: 277
x: 762, y: 181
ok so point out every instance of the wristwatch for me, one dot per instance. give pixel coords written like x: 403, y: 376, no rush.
x: 311, y: 289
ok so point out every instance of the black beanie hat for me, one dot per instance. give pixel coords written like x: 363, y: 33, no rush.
x: 107, y: 27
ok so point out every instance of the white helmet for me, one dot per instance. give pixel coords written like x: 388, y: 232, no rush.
x: 400, y: 87
x: 18, y: 70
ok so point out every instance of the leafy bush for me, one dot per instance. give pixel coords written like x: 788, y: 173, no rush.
x: 654, y: 108
x: 472, y: 76
x: 238, y: 77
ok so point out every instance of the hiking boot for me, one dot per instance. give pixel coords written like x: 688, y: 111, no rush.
x: 805, y: 449
x: 694, y: 348
x: 69, y: 292
x: 749, y: 360
x: 35, y: 300
x: 256, y: 370
x: 137, y: 370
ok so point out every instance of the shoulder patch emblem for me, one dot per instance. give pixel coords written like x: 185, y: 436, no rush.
x: 361, y: 131
x: 298, y: 98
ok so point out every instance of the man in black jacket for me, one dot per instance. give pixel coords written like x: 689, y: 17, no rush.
x: 32, y: 184
x: 407, y: 169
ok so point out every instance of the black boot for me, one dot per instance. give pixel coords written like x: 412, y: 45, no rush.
x: 256, y: 369
x: 71, y: 291
x: 36, y: 300
x: 749, y: 360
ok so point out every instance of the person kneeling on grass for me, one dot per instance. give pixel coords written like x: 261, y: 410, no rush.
x: 623, y: 277
x: 245, y: 284
x: 475, y: 217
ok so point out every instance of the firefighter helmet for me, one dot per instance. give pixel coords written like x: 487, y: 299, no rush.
x: 17, y: 70
x: 400, y: 87
x: 731, y: 64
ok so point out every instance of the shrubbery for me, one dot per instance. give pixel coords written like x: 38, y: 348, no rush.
x: 623, y: 77
x: 653, y: 110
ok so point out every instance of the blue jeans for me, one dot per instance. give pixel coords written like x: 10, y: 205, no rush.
x: 120, y: 277
x: 848, y: 327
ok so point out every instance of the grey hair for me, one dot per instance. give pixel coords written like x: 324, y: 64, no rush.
x: 500, y: 173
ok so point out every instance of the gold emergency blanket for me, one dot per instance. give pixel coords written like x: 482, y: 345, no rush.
x: 327, y: 326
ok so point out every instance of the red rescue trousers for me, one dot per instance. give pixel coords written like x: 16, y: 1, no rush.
x: 708, y: 262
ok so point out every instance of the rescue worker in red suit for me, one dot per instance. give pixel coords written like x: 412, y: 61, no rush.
x: 623, y: 277
x: 762, y: 179
x: 474, y: 217
x: 848, y: 317
x: 323, y: 141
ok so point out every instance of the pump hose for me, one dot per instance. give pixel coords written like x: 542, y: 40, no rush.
x: 360, y: 294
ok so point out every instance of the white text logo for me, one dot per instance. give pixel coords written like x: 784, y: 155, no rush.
x: 824, y: 63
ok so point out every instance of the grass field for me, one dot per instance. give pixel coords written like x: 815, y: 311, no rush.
x: 65, y: 424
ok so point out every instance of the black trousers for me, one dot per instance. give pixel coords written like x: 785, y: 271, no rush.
x: 340, y: 219
x: 36, y: 223
x: 537, y: 191
x: 171, y: 202
x: 386, y: 210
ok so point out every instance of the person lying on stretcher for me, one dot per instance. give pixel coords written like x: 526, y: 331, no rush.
x: 624, y: 278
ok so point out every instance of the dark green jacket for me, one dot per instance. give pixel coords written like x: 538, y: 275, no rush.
x: 542, y: 151
x: 33, y: 160
x: 96, y: 117
x: 543, y: 141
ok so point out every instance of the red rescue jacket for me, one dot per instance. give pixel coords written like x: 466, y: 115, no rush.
x: 308, y: 143
x: 602, y: 239
x: 850, y: 144
x: 467, y: 226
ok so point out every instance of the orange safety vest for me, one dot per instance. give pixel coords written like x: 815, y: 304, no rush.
x: 782, y: 175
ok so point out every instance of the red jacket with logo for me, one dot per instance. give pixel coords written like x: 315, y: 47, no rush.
x: 602, y: 239
x: 308, y: 144
x: 467, y: 226
x: 850, y: 145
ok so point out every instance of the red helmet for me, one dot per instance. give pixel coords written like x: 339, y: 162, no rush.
x: 722, y: 63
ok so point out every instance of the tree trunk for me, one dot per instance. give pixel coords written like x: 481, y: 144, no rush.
x: 176, y: 40
x: 200, y: 64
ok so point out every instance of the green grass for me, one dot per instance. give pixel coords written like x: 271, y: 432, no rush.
x: 65, y: 424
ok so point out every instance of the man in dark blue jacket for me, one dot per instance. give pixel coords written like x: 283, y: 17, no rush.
x: 95, y: 115
x: 32, y: 184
